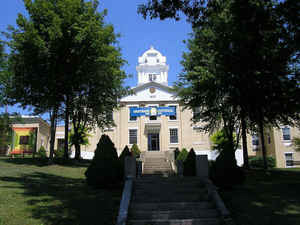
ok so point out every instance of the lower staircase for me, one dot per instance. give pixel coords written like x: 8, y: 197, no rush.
x: 162, y: 199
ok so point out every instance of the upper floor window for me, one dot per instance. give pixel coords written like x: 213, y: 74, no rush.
x: 131, y: 117
x: 286, y: 133
x: 175, y: 116
x: 152, y: 77
x: 255, y: 140
x: 196, y: 112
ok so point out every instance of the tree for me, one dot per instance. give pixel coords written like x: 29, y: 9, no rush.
x: 82, y: 138
x: 65, y: 60
x: 238, y: 68
x: 296, y: 143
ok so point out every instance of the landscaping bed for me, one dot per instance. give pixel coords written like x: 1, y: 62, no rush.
x: 34, y: 192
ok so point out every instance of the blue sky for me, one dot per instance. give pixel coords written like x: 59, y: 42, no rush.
x: 137, y: 34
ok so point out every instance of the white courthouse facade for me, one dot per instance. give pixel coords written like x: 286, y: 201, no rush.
x: 152, y: 117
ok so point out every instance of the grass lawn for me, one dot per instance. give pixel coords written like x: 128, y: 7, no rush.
x: 266, y: 199
x: 34, y: 193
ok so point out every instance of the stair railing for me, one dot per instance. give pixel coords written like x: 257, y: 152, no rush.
x: 130, y: 176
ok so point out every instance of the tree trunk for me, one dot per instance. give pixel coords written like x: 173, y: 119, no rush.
x: 66, y: 147
x: 245, y: 148
x: 263, y: 147
x: 77, y: 151
x: 53, y: 130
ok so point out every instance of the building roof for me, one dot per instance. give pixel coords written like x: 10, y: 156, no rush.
x: 23, y: 119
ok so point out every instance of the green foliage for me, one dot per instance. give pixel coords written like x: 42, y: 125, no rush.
x: 81, y: 138
x: 59, y: 153
x: 182, y: 155
x: 296, y: 143
x: 124, y: 153
x: 258, y: 162
x: 220, y: 140
x: 176, y: 153
x: 69, y: 43
x: 104, y: 170
x: 5, y: 130
x: 189, y: 165
x: 135, y: 151
x: 42, y: 152
x: 224, y: 172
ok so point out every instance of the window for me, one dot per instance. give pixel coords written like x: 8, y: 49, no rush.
x: 109, y: 116
x: 196, y: 112
x: 152, y: 77
x: 286, y: 133
x: 133, y: 136
x: 173, y: 135
x: 255, y: 140
x: 269, y: 138
x: 60, y: 143
x: 24, y: 140
x: 288, y: 159
x: 175, y: 116
x: 132, y: 118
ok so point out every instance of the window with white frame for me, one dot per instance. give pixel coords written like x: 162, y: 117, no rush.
x: 196, y: 112
x: 255, y: 140
x: 173, y: 135
x: 175, y: 116
x: 132, y: 118
x: 152, y: 77
x: 288, y: 159
x: 286, y: 134
x: 133, y: 136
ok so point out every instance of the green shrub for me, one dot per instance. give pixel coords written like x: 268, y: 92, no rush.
x: 105, y: 168
x: 125, y: 152
x: 224, y: 172
x: 189, y: 165
x: 59, y: 153
x: 135, y: 151
x: 42, y: 152
x: 176, y: 153
x: 182, y: 155
x: 258, y: 162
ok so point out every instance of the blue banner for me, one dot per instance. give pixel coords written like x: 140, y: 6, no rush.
x: 153, y: 111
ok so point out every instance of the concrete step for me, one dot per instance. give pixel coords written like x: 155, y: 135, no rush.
x: 176, y: 222
x: 175, y: 191
x: 196, y: 206
x: 173, y: 214
x: 170, y: 198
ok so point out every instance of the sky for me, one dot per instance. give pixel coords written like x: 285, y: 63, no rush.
x: 136, y: 35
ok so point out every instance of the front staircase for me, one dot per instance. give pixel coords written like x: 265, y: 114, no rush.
x: 162, y: 199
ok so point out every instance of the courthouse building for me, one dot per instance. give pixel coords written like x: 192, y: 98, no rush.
x: 152, y: 117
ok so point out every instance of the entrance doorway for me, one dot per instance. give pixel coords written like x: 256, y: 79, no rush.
x: 153, y: 141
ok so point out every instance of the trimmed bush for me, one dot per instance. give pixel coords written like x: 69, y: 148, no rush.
x: 258, y: 162
x: 224, y: 172
x: 59, y: 153
x: 176, y: 152
x: 189, y: 165
x: 125, y: 152
x: 135, y: 151
x: 42, y: 152
x: 105, y: 168
x: 182, y: 155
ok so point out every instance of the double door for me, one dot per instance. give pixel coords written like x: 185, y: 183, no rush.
x: 153, y: 141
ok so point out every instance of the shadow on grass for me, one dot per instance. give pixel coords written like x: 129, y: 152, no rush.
x: 45, y: 162
x: 266, y: 199
x: 58, y: 200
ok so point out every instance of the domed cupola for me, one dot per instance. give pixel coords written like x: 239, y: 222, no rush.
x: 152, y: 67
